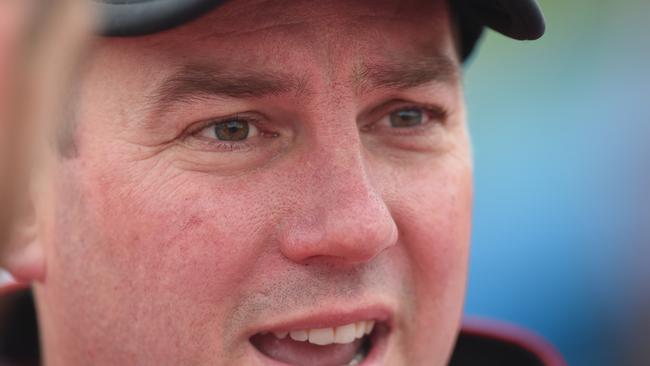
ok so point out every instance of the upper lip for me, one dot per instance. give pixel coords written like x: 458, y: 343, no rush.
x: 327, y: 317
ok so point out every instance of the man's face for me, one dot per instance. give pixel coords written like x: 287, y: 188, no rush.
x: 280, y: 166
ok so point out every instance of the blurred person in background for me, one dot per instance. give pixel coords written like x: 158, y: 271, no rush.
x: 39, y: 50
x: 276, y: 184
x: 11, y: 17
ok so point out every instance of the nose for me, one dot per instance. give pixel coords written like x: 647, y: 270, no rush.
x: 340, y: 216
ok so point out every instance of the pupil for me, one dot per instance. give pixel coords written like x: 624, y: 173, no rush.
x: 406, y: 118
x: 232, y: 130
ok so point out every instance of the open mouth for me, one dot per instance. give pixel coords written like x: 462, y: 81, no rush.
x: 344, y: 345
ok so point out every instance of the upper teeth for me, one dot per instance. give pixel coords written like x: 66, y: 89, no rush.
x: 342, y: 335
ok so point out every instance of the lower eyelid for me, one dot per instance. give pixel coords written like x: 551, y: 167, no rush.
x: 237, y: 147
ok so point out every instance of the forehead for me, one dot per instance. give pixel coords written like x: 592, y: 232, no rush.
x: 328, y: 47
x: 238, y: 17
x: 270, y: 33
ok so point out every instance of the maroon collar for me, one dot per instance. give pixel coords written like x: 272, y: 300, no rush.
x: 480, y: 343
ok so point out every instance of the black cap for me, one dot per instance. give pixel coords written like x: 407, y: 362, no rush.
x: 517, y: 19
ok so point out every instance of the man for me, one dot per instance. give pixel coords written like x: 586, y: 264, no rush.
x: 271, y: 183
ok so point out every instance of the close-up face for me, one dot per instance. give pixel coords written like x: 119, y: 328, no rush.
x: 275, y: 183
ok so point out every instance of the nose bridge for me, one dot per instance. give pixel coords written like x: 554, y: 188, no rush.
x: 344, y: 184
x: 344, y: 217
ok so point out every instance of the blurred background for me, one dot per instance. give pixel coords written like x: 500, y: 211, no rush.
x: 561, y: 130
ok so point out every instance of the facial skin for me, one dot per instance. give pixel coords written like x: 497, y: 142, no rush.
x: 167, y: 246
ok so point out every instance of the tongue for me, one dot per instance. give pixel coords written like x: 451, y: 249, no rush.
x: 304, y: 353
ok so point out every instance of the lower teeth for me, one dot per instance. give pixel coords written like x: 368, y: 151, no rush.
x: 357, y: 359
x: 361, y: 354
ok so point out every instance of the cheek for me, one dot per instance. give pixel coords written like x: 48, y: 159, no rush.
x: 154, y: 243
x: 440, y: 225
x: 433, y: 212
x: 440, y: 242
x: 187, y: 230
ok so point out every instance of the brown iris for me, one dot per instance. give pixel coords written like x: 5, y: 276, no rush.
x: 231, y: 130
x: 406, y: 118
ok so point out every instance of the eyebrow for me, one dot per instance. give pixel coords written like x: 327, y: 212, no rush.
x: 406, y: 73
x: 196, y: 82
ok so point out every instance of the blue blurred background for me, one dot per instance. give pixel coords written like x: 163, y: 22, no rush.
x: 560, y: 126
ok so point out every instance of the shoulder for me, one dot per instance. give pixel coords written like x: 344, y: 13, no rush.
x: 487, y: 342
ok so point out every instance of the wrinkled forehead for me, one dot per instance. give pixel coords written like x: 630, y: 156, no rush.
x: 261, y: 33
x: 330, y: 17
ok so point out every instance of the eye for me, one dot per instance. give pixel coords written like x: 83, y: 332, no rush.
x: 408, y: 117
x: 232, y: 130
